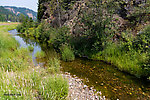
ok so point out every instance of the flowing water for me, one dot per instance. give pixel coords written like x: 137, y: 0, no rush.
x: 113, y: 83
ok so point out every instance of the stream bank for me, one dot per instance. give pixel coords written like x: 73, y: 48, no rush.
x: 102, y: 77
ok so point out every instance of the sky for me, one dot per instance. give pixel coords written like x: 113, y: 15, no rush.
x: 31, y: 4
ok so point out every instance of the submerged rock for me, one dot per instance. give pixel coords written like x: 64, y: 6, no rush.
x: 80, y: 91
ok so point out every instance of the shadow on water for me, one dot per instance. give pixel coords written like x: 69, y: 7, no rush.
x: 107, y: 79
x: 113, y: 83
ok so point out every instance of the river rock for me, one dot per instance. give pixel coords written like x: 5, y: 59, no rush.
x: 80, y: 91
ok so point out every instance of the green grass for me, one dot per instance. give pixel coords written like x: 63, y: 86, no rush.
x: 132, y: 55
x: 20, y: 78
x: 40, y: 54
x: 128, y: 61
x: 16, y: 61
x: 54, y: 88
x: 30, y: 84
x: 67, y: 53
x: 31, y: 48
x: 53, y: 65
x: 6, y: 41
x: 18, y: 83
x: 12, y: 58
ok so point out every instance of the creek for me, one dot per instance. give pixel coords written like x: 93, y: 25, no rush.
x: 103, y: 77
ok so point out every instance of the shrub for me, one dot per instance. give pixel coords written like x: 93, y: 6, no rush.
x: 53, y: 65
x: 67, y: 53
x: 31, y: 48
x: 40, y: 54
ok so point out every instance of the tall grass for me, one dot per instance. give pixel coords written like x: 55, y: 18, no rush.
x: 126, y: 61
x: 12, y: 58
x: 17, y: 60
x: 6, y: 41
x: 40, y: 54
x: 131, y: 55
x: 67, y: 53
x: 20, y: 80
x: 30, y: 84
x: 20, y: 84
x: 54, y: 88
x: 53, y: 65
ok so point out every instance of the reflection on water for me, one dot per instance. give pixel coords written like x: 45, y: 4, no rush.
x: 103, y: 77
x: 25, y: 43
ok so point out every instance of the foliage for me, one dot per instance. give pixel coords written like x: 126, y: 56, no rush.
x: 67, y: 52
x: 26, y: 24
x: 142, y: 42
x: 31, y: 48
x: 53, y: 65
x: 131, y: 56
x: 40, y: 54
x: 97, y: 29
x: 53, y: 5
x: 129, y: 61
x: 46, y: 33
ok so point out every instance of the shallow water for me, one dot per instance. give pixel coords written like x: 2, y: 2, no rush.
x: 113, y: 83
x: 24, y: 44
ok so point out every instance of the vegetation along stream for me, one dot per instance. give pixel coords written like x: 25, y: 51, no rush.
x: 113, y: 83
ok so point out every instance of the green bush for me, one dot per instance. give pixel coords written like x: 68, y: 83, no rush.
x: 40, y: 54
x: 31, y: 48
x: 53, y: 65
x: 67, y: 53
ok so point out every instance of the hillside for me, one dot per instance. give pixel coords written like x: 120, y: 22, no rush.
x: 20, y: 10
x: 6, y: 15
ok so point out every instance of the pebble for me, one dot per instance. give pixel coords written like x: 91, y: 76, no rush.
x: 80, y: 91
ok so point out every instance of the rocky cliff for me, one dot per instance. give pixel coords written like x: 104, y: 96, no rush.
x: 69, y: 12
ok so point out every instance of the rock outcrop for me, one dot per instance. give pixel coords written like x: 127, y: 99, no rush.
x: 54, y: 12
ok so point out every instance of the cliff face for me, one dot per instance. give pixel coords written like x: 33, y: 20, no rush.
x: 69, y: 12
x: 61, y: 13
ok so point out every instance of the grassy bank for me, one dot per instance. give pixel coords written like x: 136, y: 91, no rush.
x: 129, y: 53
x: 20, y: 79
x: 132, y: 55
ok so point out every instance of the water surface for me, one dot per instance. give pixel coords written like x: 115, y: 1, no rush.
x: 113, y: 83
